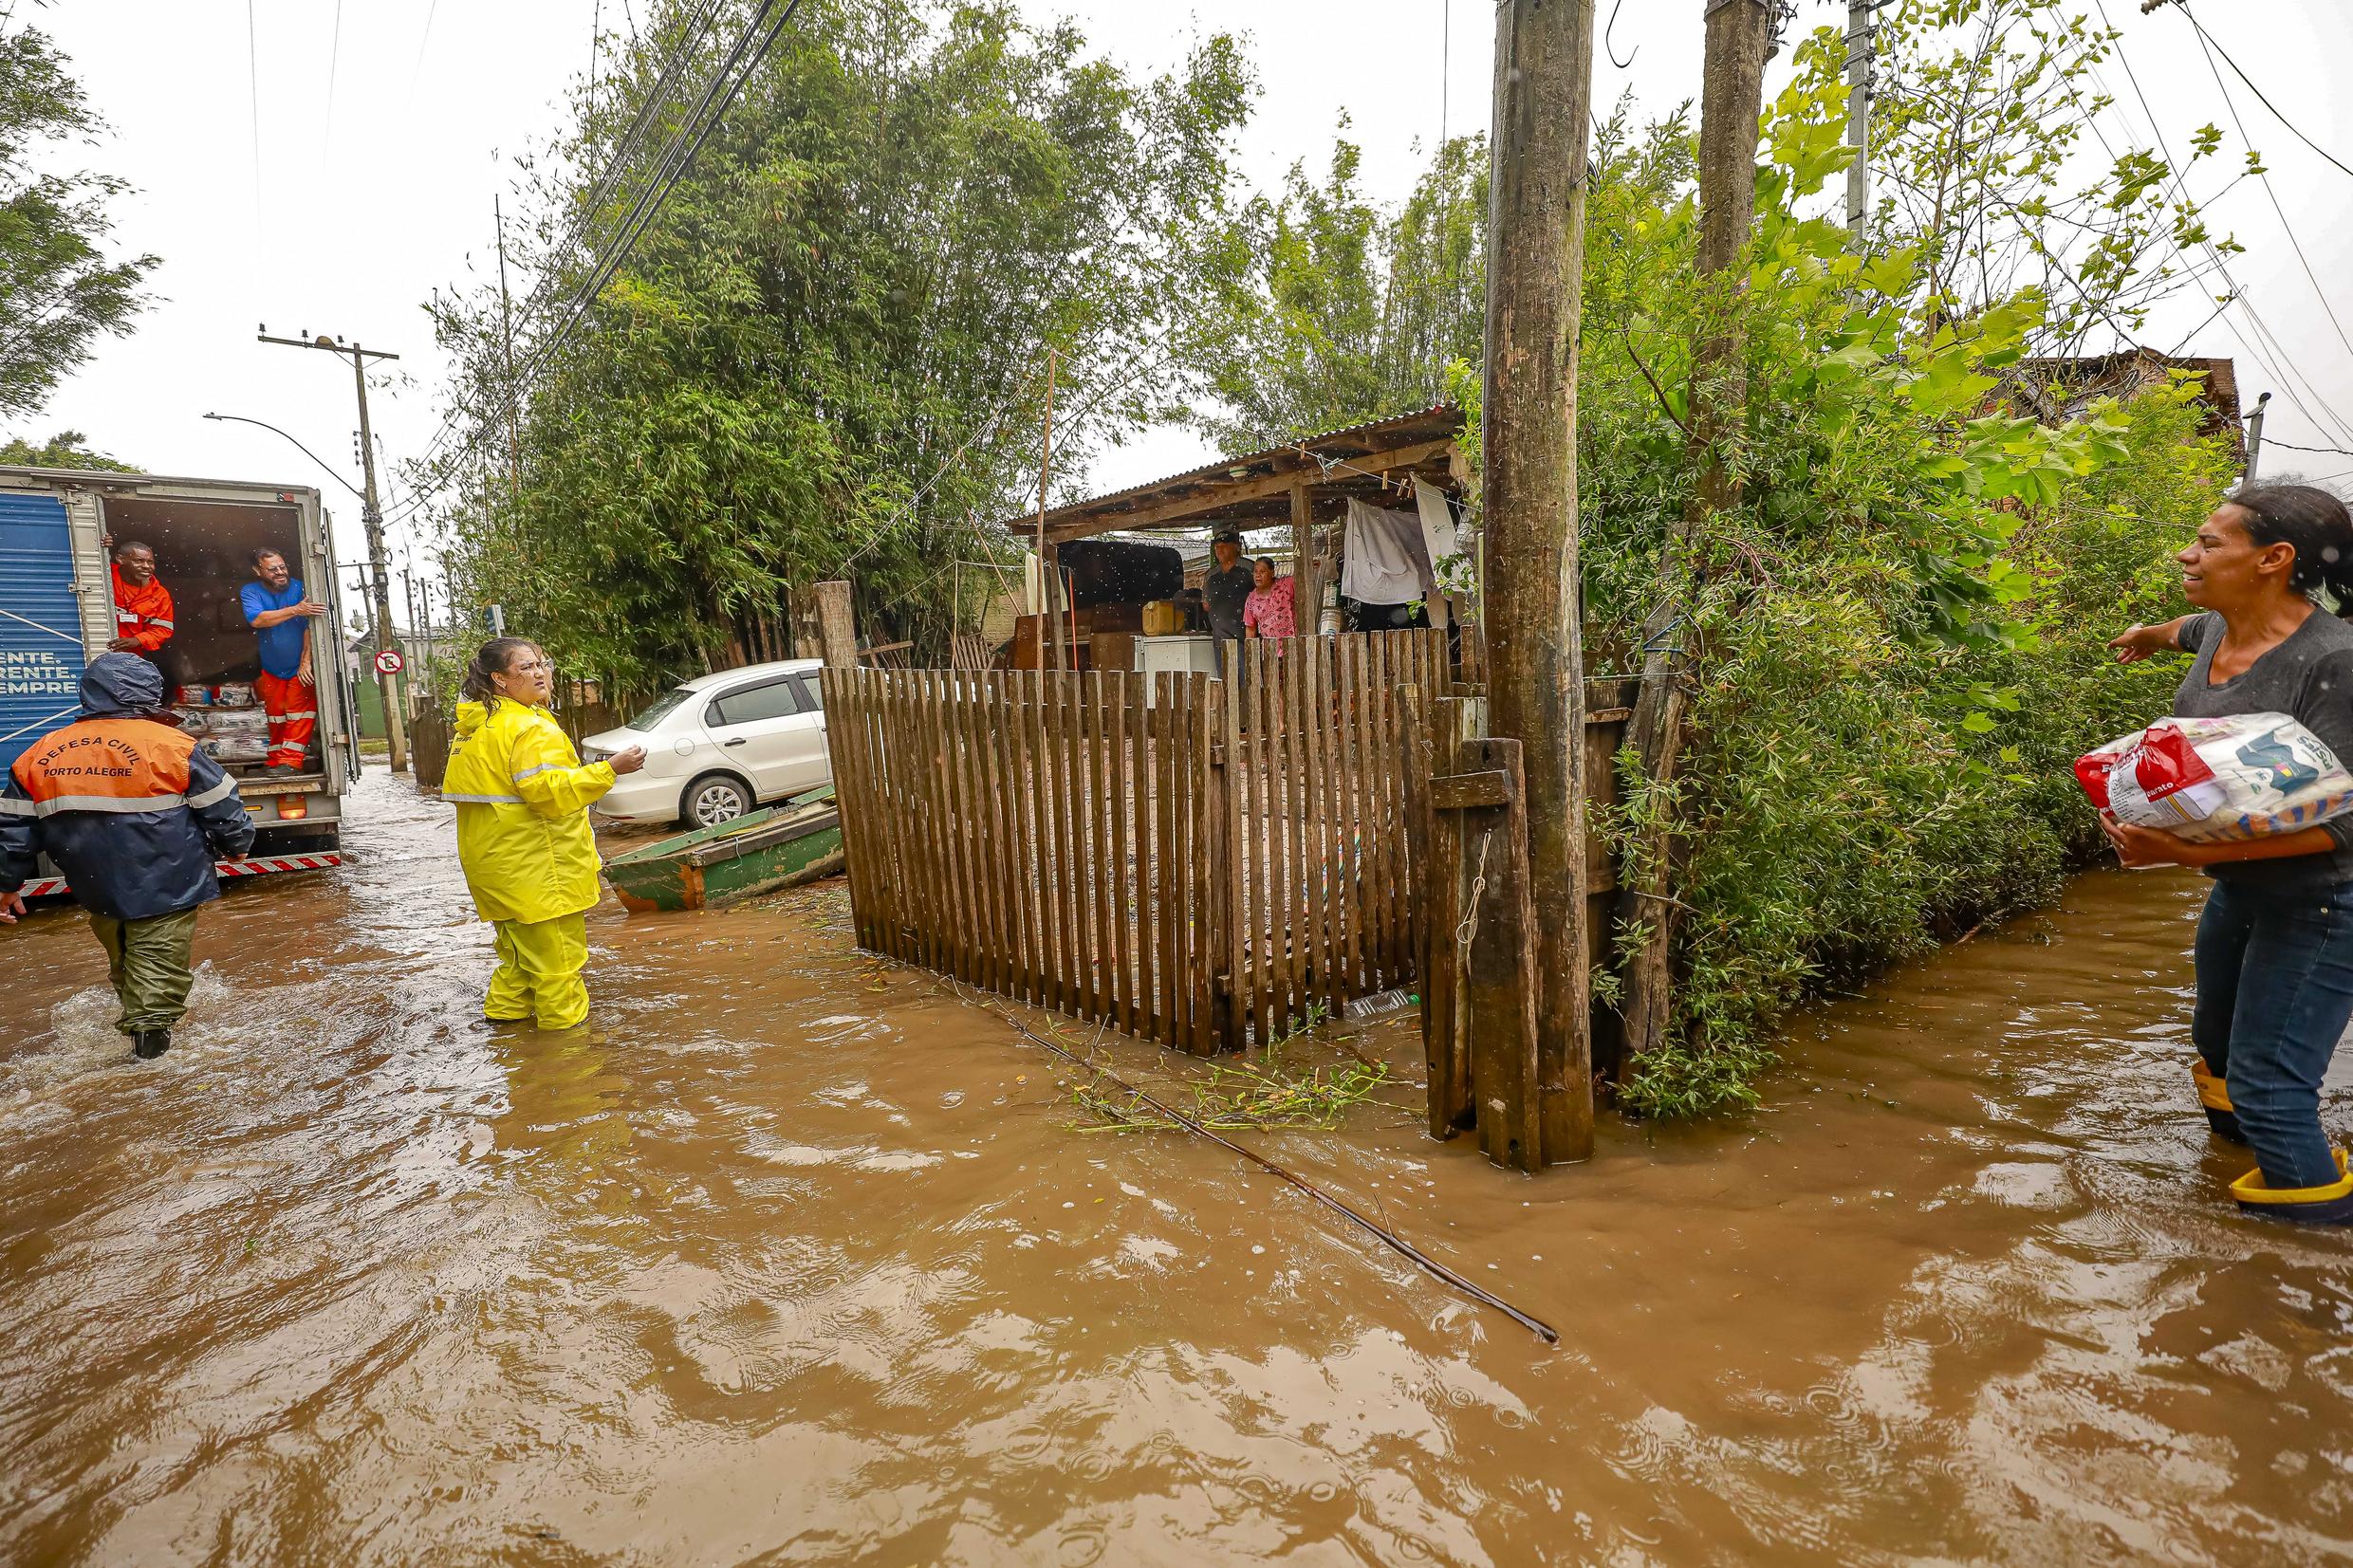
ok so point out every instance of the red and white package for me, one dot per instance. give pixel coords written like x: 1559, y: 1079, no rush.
x: 2246, y: 776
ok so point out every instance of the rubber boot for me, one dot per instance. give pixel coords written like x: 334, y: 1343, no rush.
x: 2329, y: 1205
x: 150, y: 1043
x: 2215, y: 1098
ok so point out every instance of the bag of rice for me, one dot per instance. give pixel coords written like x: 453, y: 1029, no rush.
x: 193, y: 696
x: 2209, y: 781
x: 193, y: 721
x: 233, y: 693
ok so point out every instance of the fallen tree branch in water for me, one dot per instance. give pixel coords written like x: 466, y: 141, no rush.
x: 1387, y: 1238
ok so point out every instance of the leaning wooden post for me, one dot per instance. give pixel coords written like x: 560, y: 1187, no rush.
x: 837, y: 632
x: 1739, y: 38
x: 1536, y: 221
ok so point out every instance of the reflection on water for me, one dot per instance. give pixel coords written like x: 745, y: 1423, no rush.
x: 790, y: 1257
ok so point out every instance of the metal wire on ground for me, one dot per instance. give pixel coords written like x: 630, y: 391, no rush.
x: 1387, y: 1238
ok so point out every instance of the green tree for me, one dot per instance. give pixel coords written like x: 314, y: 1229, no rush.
x: 65, y: 449
x: 59, y: 289
x: 1344, y: 311
x: 827, y: 356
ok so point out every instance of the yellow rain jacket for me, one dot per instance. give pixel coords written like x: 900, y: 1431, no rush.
x: 523, y: 799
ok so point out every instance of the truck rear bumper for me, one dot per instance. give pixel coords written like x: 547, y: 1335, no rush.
x: 45, y: 887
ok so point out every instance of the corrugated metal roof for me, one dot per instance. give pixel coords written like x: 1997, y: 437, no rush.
x: 1225, y: 489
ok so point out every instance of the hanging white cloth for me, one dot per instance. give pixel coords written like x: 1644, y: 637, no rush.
x: 1437, y: 521
x: 1387, y: 561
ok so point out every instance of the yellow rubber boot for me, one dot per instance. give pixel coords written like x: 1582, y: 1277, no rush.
x: 2329, y: 1205
x: 539, y: 972
x: 2214, y: 1097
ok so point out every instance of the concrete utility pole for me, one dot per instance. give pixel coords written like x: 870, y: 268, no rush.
x: 1859, y: 41
x: 2254, y: 437
x: 1732, y: 92
x: 1535, y: 292
x: 396, y: 722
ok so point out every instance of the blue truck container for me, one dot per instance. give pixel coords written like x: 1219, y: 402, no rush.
x: 57, y: 613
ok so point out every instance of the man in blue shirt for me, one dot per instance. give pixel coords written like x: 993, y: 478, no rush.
x: 278, y: 610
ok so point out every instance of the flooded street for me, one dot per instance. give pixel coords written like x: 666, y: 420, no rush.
x: 790, y: 1257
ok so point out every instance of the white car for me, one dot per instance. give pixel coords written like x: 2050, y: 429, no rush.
x: 720, y: 746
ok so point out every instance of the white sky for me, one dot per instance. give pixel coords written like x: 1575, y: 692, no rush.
x: 375, y: 182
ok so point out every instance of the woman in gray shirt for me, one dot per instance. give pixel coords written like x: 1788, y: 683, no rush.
x: 2274, y: 950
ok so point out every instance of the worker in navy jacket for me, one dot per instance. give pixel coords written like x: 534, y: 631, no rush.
x: 134, y: 814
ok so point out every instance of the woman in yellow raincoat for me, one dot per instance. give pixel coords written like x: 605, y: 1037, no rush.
x: 523, y: 836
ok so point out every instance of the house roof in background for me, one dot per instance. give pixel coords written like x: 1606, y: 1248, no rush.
x: 1253, y: 490
x: 2055, y: 390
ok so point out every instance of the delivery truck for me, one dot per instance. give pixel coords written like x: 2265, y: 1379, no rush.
x: 57, y: 613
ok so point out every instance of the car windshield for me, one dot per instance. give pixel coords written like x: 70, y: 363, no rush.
x: 663, y: 706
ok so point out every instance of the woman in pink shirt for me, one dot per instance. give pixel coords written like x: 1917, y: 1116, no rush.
x: 1268, y: 610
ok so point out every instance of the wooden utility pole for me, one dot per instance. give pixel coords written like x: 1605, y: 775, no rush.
x: 372, y: 515
x: 1731, y: 93
x: 1535, y: 277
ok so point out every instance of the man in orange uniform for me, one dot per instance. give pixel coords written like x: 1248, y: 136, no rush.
x: 277, y: 609
x: 143, y: 604
x: 134, y: 814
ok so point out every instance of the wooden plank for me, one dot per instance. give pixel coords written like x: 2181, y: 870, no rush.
x: 1502, y: 979
x: 1108, y: 875
x: 1250, y: 788
x: 1464, y: 791
x: 1316, y: 906
x: 983, y: 799
x: 924, y: 752
x: 954, y: 884
x: 1148, y: 896
x: 1198, y: 830
x: 839, y: 747
x: 1073, y: 871
x: 1350, y: 700
x: 1181, y: 801
x: 1390, y: 867
x: 889, y: 824
x: 1441, y: 1092
x: 890, y: 751
x: 1225, y: 944
x: 1122, y: 947
x: 1022, y: 728
x: 1049, y: 839
x: 1164, y: 850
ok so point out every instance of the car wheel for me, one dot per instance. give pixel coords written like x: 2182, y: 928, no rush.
x: 714, y: 799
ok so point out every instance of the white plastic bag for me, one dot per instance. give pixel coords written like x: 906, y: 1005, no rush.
x: 2247, y: 776
x: 233, y: 693
x: 236, y: 748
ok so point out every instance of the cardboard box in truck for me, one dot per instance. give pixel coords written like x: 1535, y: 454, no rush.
x: 57, y: 613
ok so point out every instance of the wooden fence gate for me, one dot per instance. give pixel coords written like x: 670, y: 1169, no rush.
x: 1198, y: 862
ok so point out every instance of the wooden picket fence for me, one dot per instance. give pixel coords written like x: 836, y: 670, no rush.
x: 1197, y: 862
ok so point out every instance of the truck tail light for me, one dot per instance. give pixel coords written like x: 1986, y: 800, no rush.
x: 292, y: 807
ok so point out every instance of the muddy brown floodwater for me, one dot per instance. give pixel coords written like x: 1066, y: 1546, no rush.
x: 789, y: 1258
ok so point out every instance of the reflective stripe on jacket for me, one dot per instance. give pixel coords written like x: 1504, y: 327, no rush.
x: 523, y: 799
x: 143, y: 615
x: 131, y: 811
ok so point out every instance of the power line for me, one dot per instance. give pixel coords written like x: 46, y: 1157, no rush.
x: 2269, y: 442
x: 673, y: 168
x: 2270, y: 191
x: 334, y: 53
x: 2207, y: 39
x: 2245, y: 303
x: 423, y: 39
x: 253, y: 89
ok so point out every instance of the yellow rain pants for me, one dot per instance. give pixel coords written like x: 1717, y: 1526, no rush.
x: 538, y: 974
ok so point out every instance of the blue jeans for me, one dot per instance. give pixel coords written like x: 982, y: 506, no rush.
x: 2274, y: 990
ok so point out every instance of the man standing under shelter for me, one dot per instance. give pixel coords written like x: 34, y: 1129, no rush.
x: 1225, y: 588
x: 277, y: 609
x: 134, y: 813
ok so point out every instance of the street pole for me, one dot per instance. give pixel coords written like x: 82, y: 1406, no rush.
x: 1739, y: 38
x: 1860, y: 48
x: 2255, y: 435
x: 395, y: 723
x: 1536, y: 230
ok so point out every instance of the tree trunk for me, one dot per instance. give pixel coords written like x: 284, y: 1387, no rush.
x: 1536, y: 224
x: 1732, y: 94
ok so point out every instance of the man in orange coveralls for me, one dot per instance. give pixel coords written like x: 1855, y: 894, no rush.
x: 143, y: 604
x: 276, y: 607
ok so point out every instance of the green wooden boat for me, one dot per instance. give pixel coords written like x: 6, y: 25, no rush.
x: 780, y: 846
